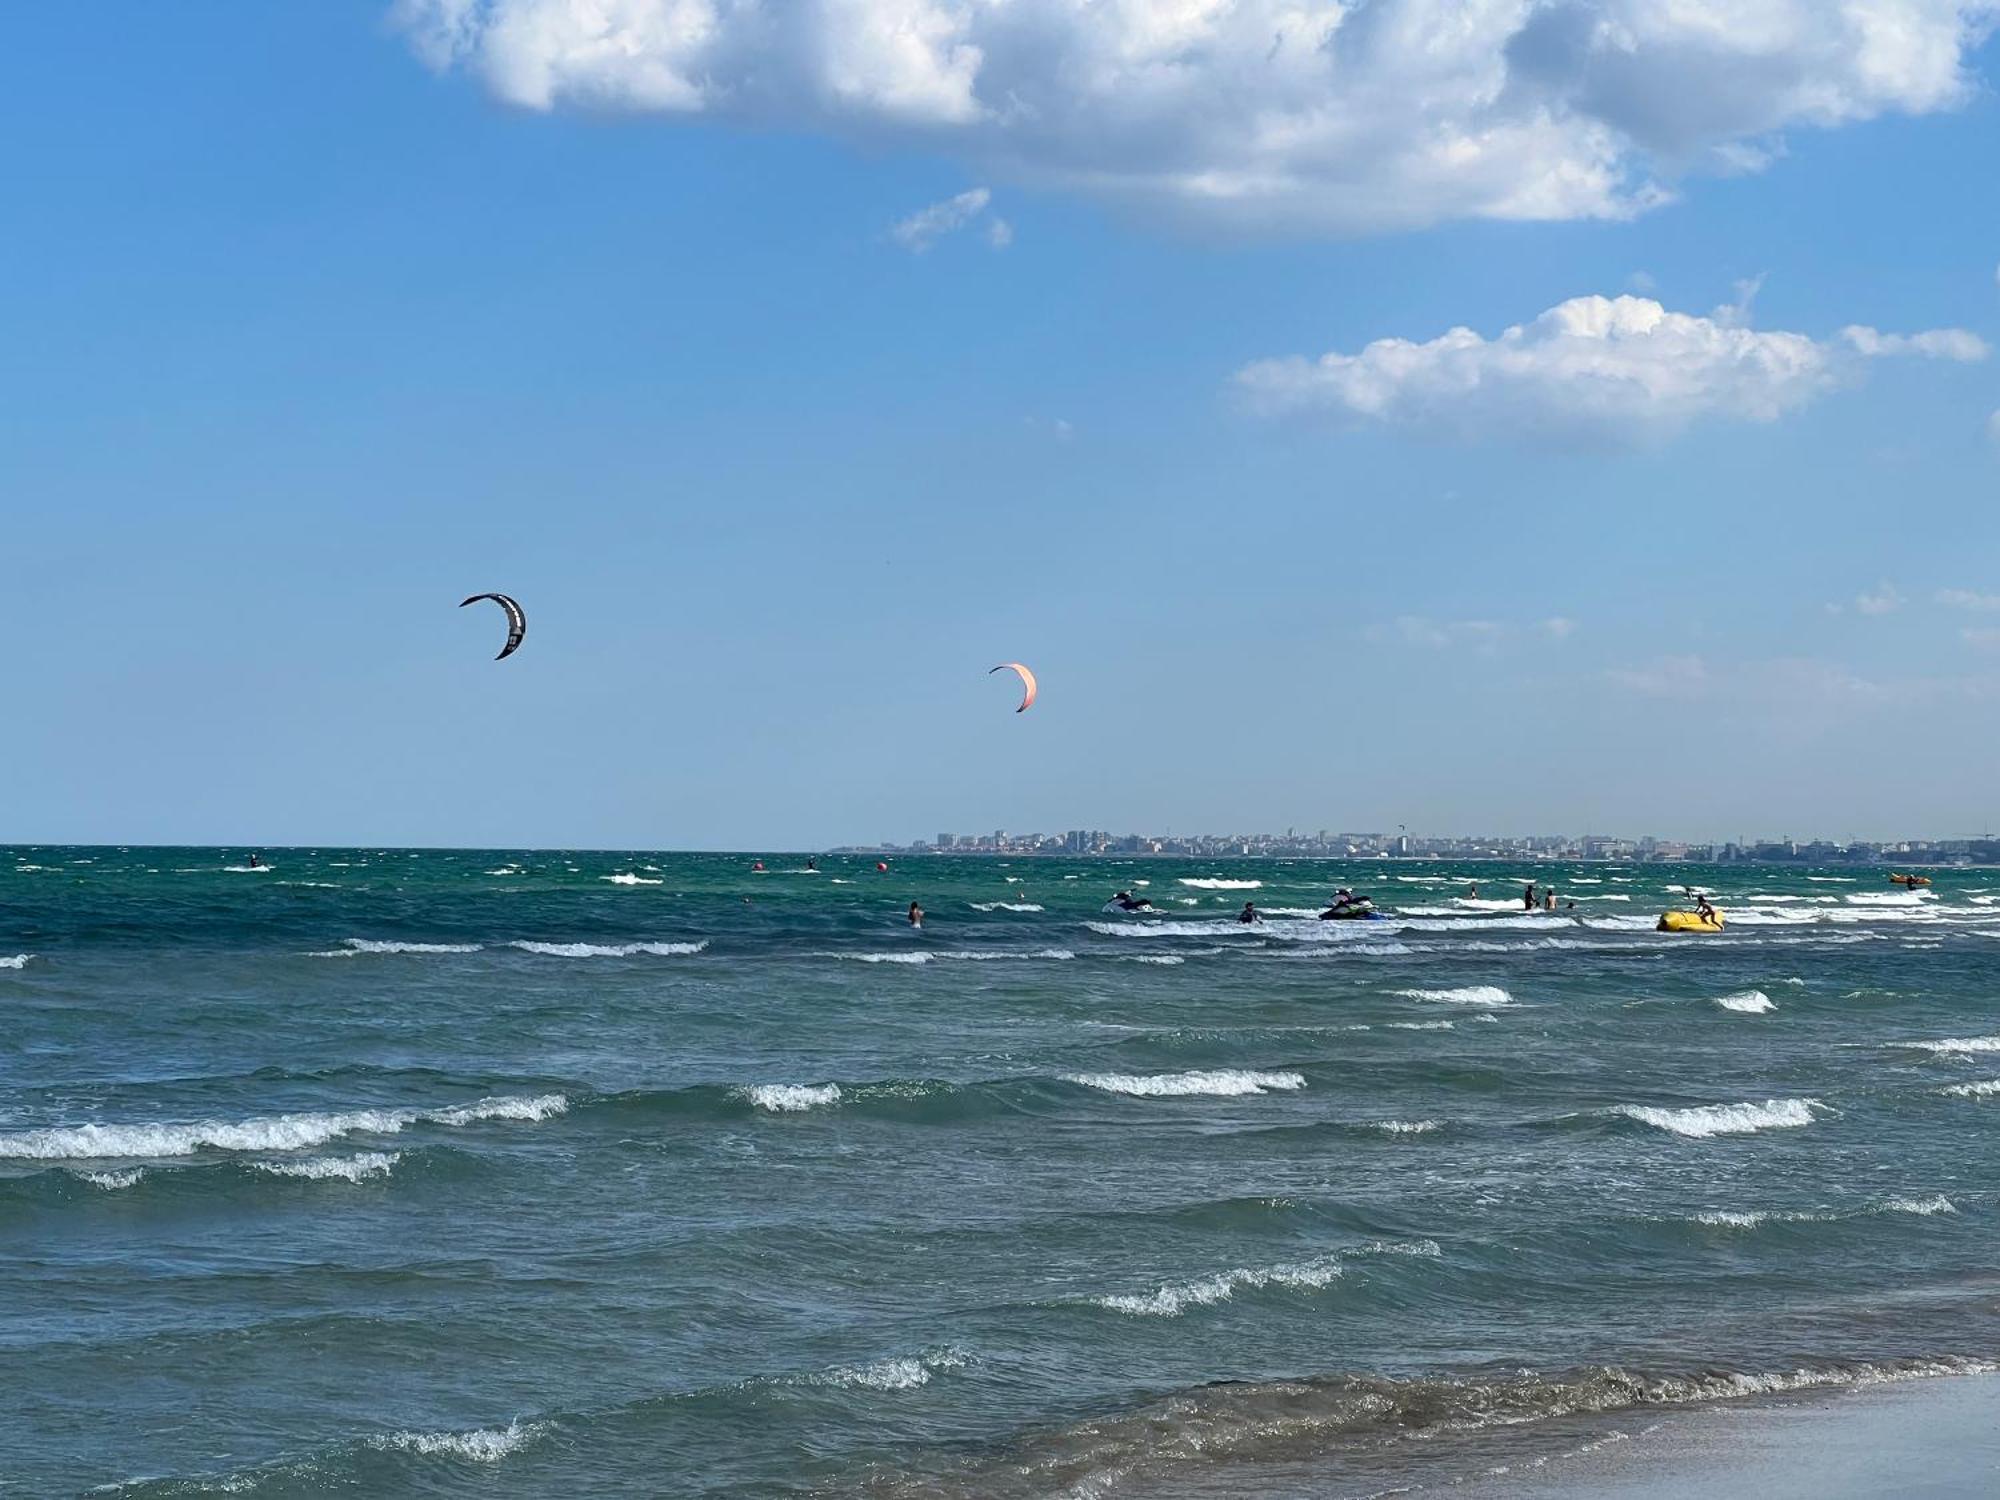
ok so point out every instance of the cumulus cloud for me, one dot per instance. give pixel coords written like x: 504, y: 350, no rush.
x: 927, y: 226
x: 1596, y: 369
x: 1968, y: 599
x: 1319, y: 115
x: 1883, y: 599
x: 1483, y: 636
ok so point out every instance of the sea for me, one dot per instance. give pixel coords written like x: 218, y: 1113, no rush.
x: 530, y: 1173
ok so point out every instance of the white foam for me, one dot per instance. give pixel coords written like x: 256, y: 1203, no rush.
x: 901, y: 1374
x: 789, y: 1098
x: 962, y: 956
x: 1166, y: 960
x: 1725, y: 1219
x: 1750, y: 1002
x: 1832, y: 879
x: 1172, y: 1299
x: 1889, y: 898
x: 1472, y: 994
x: 1214, y: 1083
x: 1214, y: 929
x: 358, y: 946
x: 1406, y: 1127
x: 111, y: 1182
x: 344, y: 1168
x: 18, y: 961
x: 232, y: 869
x: 1421, y: 1026
x: 609, y: 950
x: 262, y: 1133
x: 1004, y: 906
x: 1725, y: 1119
x: 504, y: 870
x: 1199, y: 884
x: 629, y: 879
x: 1939, y: 1204
x: 1960, y: 1044
x: 1978, y: 1090
x: 485, y: 1445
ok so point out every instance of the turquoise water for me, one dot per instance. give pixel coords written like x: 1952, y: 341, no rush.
x: 524, y: 1174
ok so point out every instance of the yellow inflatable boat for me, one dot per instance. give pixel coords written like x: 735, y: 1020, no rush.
x: 1687, y: 921
x: 1912, y: 881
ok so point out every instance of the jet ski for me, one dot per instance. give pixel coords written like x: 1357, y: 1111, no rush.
x: 1358, y: 909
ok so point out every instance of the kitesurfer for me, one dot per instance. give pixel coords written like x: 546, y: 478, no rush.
x: 812, y: 864
x: 256, y: 863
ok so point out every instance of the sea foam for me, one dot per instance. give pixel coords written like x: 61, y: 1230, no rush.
x: 1952, y: 1044
x: 358, y: 946
x: 482, y: 1446
x: 1199, y: 884
x: 17, y: 961
x: 1216, y: 1083
x: 1725, y: 1119
x: 1174, y: 1298
x: 789, y: 1098
x: 609, y: 950
x: 291, y: 1132
x: 342, y: 1168
x: 629, y: 879
x: 1750, y: 1002
x: 1472, y: 994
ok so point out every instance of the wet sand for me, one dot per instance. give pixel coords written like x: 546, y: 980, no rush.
x: 1925, y: 1440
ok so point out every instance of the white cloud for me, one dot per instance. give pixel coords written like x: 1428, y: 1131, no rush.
x: 1318, y: 115
x: 1484, y: 636
x: 1597, y: 369
x: 927, y: 226
x: 1883, y: 599
x: 1968, y: 599
x: 999, y: 233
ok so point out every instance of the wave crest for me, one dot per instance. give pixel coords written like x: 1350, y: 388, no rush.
x: 1216, y: 1083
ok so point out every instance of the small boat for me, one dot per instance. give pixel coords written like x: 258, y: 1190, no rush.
x: 1911, y: 881
x: 1688, y: 921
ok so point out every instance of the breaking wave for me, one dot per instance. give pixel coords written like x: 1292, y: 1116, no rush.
x: 355, y: 947
x: 1960, y: 1044
x: 1725, y: 1119
x: 1215, y: 1083
x: 263, y: 1133
x: 609, y: 950
x: 1472, y: 994
x: 343, y: 1168
x: 1175, y: 1298
x: 629, y: 879
x: 18, y: 961
x: 1004, y: 906
x: 1201, y: 884
x: 1750, y: 1002
x: 896, y: 1374
x: 484, y: 1445
x: 789, y: 1098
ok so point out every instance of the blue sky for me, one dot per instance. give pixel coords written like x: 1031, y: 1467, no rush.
x: 313, y: 328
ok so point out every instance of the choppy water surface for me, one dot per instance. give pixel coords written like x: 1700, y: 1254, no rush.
x: 536, y: 1174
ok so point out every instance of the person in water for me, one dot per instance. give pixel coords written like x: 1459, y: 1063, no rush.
x: 1472, y: 891
x: 256, y: 863
x: 1528, y: 897
x: 916, y: 915
x: 1249, y: 914
x: 1549, y: 899
x: 1128, y: 902
x: 811, y: 863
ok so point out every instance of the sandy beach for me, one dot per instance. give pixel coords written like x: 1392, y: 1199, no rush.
x: 1924, y: 1440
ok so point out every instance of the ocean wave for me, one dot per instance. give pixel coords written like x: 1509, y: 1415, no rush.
x: 1888, y: 898
x: 17, y: 961
x: 963, y: 955
x: 1174, y: 1298
x: 483, y: 1445
x: 111, y: 1182
x: 1167, y: 960
x: 1936, y: 1204
x: 343, y: 1168
x: 895, y: 1374
x: 1471, y: 994
x: 232, y: 869
x: 1722, y: 1218
x: 1201, y: 884
x: 1406, y: 1127
x: 1959, y: 1044
x: 789, y: 1098
x: 610, y: 950
x: 1004, y: 906
x: 1750, y: 1002
x: 355, y: 947
x: 1214, y: 1083
x: 1978, y: 1090
x: 629, y: 879
x: 1707, y: 1120
x: 291, y: 1132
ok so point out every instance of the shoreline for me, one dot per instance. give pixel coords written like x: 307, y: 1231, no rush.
x: 1934, y: 1439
